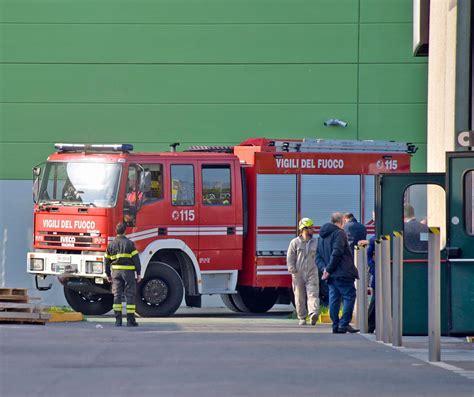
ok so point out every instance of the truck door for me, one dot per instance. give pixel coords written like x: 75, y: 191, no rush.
x: 183, y: 208
x: 220, y: 216
x: 409, y: 203
x: 460, y: 182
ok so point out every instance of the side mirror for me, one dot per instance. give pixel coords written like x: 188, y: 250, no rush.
x: 36, y: 182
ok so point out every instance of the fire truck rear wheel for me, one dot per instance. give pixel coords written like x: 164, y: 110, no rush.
x: 229, y: 303
x: 255, y: 300
x: 89, y: 304
x: 161, y: 291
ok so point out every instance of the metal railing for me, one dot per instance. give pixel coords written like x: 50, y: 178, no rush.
x: 389, y: 290
x: 361, y: 287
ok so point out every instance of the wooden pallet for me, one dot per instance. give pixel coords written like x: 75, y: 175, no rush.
x: 14, y: 298
x: 13, y: 291
x: 18, y: 307
x: 15, y: 307
x: 24, y: 318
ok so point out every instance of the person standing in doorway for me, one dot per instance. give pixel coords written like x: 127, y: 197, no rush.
x: 121, y: 264
x: 304, y: 273
x: 335, y: 258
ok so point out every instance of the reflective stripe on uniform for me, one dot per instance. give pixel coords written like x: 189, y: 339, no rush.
x: 117, y: 307
x: 123, y: 267
x: 130, y: 308
x: 117, y: 256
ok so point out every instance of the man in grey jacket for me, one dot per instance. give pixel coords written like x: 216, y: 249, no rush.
x: 304, y: 273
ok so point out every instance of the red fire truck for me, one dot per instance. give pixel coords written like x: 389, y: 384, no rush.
x: 210, y: 220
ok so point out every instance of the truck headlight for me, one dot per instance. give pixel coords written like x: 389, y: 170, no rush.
x: 94, y: 267
x: 37, y: 264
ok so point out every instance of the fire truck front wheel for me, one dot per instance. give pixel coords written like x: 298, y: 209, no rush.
x: 88, y: 303
x: 161, y: 291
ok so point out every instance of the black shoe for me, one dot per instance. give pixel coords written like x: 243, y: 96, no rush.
x: 349, y: 329
x: 118, y: 320
x: 335, y: 331
x: 131, y: 322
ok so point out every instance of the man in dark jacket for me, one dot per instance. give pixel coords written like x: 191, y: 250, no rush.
x: 413, y: 231
x: 335, y: 259
x: 355, y: 231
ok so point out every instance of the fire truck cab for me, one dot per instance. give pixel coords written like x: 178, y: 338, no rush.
x: 211, y: 220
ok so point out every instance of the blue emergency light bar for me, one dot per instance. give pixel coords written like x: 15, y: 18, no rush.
x: 84, y: 147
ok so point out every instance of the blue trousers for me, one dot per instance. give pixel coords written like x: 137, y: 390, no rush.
x: 341, y: 289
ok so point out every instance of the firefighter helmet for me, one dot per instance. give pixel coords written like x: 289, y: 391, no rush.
x: 305, y: 222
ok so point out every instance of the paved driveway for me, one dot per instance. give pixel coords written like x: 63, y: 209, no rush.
x: 222, y: 355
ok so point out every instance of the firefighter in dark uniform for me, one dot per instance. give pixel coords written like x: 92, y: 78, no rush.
x: 121, y: 264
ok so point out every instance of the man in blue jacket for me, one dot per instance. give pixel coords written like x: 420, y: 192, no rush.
x: 355, y: 230
x: 334, y: 258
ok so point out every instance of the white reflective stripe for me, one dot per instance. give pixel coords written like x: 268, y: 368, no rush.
x: 136, y: 234
x: 462, y: 260
x: 279, y: 227
x: 272, y: 267
x: 213, y: 233
x: 195, y: 228
x: 144, y: 237
x: 182, y: 231
x: 272, y: 273
x: 239, y: 233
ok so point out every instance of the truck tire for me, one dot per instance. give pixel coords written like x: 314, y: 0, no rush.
x: 161, y: 291
x: 229, y: 303
x: 89, y: 304
x: 255, y: 300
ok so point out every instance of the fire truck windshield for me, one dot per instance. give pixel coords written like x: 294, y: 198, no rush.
x: 74, y: 183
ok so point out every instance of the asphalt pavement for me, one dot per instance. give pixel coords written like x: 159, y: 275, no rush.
x: 199, y: 353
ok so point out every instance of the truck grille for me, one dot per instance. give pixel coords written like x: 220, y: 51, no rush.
x: 68, y: 240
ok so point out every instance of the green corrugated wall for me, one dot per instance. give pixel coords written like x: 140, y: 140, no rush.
x: 151, y: 72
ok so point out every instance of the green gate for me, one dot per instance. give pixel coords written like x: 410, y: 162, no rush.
x: 395, y: 194
x: 460, y: 193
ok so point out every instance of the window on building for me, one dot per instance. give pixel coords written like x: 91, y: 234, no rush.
x: 216, y: 185
x: 424, y: 205
x: 182, y: 184
x: 469, y: 202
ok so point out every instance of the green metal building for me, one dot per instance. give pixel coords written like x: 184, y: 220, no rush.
x: 153, y: 72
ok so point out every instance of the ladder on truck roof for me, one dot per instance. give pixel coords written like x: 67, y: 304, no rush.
x: 309, y: 145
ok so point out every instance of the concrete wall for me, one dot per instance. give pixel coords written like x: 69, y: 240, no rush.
x: 16, y: 240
